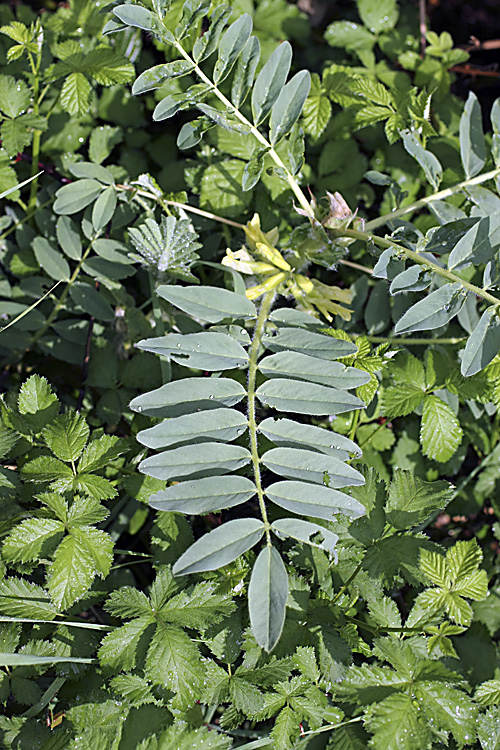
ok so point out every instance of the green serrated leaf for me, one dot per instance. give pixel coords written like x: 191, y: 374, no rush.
x: 440, y: 431
x: 67, y: 436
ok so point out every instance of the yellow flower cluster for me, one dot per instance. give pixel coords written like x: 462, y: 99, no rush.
x: 262, y: 259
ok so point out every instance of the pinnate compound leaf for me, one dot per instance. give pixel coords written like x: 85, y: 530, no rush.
x: 308, y: 342
x: 154, y: 77
x: 213, y: 424
x: 86, y: 510
x: 306, y: 398
x: 288, y: 106
x: 253, y: 169
x: 204, y: 495
x: 463, y: 559
x: 207, y: 43
x: 231, y: 45
x: 67, y: 436
x: 209, y: 303
x: 135, y: 15
x: 270, y: 81
x: 483, y: 345
x: 440, y: 430
x: 434, y: 311
x: 313, y: 500
x: 472, y: 143
x: 289, y: 434
x: 204, y: 351
x: 310, y: 466
x: 197, y: 607
x: 100, y: 452
x: 267, y: 595
x: 304, y: 367
x: 99, y: 545
x: 195, y: 461
x: 245, y: 71
x: 411, y: 500
x: 192, y: 10
x: 305, y: 531
x: 14, y: 96
x: 186, y: 395
x: 220, y: 547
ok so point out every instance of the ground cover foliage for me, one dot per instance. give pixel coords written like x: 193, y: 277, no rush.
x: 249, y: 271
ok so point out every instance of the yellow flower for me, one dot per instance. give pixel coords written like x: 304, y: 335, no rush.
x: 255, y: 234
x: 257, y: 291
x: 243, y: 262
x: 310, y: 294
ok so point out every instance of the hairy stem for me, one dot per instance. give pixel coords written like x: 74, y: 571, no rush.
x: 441, y: 195
x: 416, y: 258
x: 265, y: 307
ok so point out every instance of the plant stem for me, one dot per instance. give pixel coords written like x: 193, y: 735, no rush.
x: 416, y: 258
x: 441, y: 195
x: 62, y: 298
x: 348, y: 582
x: 193, y: 209
x: 292, y: 182
x: 37, y: 134
x: 265, y: 307
x: 329, y: 727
